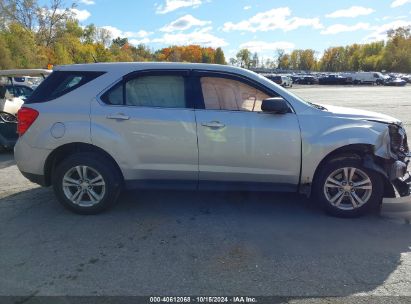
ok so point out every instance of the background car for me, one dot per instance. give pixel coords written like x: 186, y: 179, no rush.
x: 12, y: 97
x: 395, y: 82
x: 20, y: 91
x: 282, y: 80
x: 333, y: 79
x: 307, y: 80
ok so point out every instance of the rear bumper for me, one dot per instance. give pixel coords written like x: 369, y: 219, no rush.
x: 30, y: 160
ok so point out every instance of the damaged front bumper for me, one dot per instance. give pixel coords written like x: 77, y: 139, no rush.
x: 400, y: 177
x: 394, y: 155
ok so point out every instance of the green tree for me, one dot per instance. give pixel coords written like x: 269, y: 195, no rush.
x: 6, y: 61
x: 244, y: 58
x: 22, y: 46
x: 219, y: 56
x: 396, y: 56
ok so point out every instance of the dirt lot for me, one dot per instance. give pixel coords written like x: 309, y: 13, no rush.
x: 192, y: 243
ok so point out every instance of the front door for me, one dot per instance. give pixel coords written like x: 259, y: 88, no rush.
x: 241, y: 146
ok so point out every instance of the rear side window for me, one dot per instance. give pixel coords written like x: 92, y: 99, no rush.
x: 60, y: 83
x: 161, y: 91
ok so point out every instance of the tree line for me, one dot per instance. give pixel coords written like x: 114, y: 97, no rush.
x: 33, y: 36
x: 393, y: 55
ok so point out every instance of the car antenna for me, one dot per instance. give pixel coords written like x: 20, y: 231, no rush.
x: 94, y: 58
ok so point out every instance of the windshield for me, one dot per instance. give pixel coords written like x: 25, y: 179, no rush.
x: 295, y: 96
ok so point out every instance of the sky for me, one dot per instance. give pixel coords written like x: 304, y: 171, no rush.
x: 262, y: 26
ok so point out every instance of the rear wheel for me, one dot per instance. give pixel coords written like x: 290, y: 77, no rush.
x: 86, y: 183
x: 346, y: 189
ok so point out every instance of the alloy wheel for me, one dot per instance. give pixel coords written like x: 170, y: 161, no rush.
x: 84, y: 186
x: 348, y: 188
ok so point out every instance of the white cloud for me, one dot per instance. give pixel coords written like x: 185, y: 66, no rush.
x: 398, y: 3
x: 115, y: 32
x: 263, y: 46
x: 183, y: 23
x: 247, y: 7
x: 340, y: 28
x: 385, y: 18
x: 139, y: 41
x: 81, y: 15
x: 277, y: 18
x: 202, y: 37
x: 352, y: 12
x: 87, y: 2
x: 172, y: 5
x: 380, y: 32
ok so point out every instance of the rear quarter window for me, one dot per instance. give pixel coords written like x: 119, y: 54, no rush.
x: 60, y: 83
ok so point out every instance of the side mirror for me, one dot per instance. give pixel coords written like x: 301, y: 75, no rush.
x: 275, y: 105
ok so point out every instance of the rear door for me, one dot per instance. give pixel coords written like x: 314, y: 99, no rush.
x: 147, y: 122
x: 240, y: 145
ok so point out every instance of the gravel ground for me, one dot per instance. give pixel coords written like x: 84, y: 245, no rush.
x: 208, y: 243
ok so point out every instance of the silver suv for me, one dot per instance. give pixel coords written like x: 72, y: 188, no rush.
x: 91, y: 130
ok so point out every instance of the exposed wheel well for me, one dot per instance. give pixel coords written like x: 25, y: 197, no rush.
x: 62, y: 152
x: 358, y: 151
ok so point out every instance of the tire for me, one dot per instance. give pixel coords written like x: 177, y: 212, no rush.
x: 337, y: 193
x: 99, y: 187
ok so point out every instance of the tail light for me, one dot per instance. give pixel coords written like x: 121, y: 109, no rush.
x: 25, y: 118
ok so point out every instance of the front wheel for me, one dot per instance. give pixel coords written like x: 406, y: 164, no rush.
x: 86, y: 183
x: 346, y: 189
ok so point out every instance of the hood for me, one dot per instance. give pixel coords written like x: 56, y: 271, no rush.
x: 361, y: 114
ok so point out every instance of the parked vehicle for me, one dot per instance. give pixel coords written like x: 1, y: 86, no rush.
x: 366, y: 78
x: 284, y: 81
x: 333, y: 79
x: 12, y: 97
x: 19, y: 91
x: 307, y: 80
x: 395, y: 82
x: 287, y: 82
x: 90, y: 130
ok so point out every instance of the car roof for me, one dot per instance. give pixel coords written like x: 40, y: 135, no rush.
x: 127, y: 67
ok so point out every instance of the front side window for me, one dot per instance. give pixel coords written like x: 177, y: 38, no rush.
x: 227, y: 94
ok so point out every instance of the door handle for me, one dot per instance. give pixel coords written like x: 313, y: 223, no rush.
x: 213, y: 124
x: 118, y: 116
